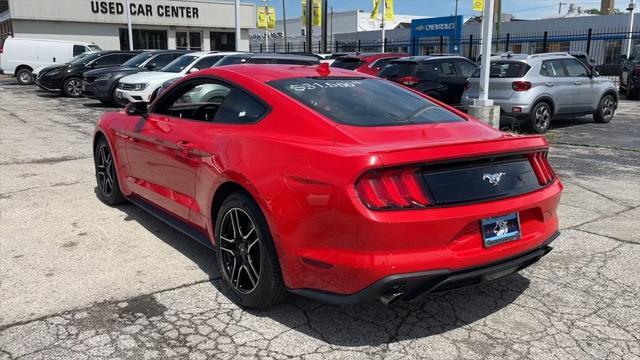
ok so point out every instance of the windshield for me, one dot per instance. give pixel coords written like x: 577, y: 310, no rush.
x: 179, y: 64
x: 137, y: 60
x: 347, y: 63
x: 399, y: 68
x: 364, y: 102
x: 505, y: 69
x: 84, y: 58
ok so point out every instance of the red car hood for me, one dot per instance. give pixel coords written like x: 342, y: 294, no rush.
x: 418, y: 143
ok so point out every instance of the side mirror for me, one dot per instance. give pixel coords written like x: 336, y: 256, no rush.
x: 136, y: 108
x: 192, y: 70
x: 594, y: 72
x: 151, y: 66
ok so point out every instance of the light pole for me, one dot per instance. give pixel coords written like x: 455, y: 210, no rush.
x: 129, y: 27
x: 266, y: 25
x: 631, y: 8
x: 238, y: 37
x: 284, y: 24
x: 382, y: 25
x: 487, y: 33
x: 455, y: 18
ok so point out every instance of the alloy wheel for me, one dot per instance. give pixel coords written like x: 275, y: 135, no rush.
x: 105, y: 170
x: 74, y: 87
x: 608, y: 108
x: 24, y: 77
x: 542, y: 117
x: 241, y: 250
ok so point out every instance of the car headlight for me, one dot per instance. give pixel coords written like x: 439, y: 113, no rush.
x: 104, y: 77
x: 139, y: 86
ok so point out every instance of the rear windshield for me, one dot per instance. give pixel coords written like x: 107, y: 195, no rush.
x: 347, y: 63
x: 364, y: 102
x: 230, y: 60
x: 399, y: 68
x: 179, y: 64
x: 505, y: 69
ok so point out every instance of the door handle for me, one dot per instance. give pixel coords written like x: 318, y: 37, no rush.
x: 577, y: 83
x: 549, y: 84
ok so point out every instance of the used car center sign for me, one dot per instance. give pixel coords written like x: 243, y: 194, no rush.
x: 117, y: 8
x: 205, y: 14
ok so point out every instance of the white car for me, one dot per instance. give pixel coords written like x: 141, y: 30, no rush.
x: 144, y: 86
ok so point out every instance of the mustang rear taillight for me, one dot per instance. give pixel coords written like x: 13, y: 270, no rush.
x: 542, y: 168
x: 392, y: 189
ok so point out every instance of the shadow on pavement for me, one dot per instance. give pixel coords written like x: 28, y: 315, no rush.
x: 363, y: 324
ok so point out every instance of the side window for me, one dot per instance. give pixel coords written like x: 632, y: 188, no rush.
x: 240, y: 108
x: 107, y: 60
x: 125, y: 57
x: 199, y: 99
x: 78, y: 49
x: 206, y: 63
x: 552, y: 68
x: 466, y: 68
x: 447, y: 69
x: 575, y: 68
x: 161, y: 60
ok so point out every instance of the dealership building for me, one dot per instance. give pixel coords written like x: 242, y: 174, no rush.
x: 157, y: 24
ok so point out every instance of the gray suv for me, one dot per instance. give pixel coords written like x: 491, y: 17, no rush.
x: 536, y: 88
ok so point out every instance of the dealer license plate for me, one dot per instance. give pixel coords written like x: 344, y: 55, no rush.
x: 500, y: 229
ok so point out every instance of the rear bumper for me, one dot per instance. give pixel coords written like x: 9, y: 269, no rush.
x: 506, y: 107
x: 412, y: 286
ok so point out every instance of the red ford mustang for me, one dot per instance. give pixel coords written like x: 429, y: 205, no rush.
x: 330, y: 184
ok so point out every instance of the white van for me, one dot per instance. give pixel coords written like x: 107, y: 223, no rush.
x: 20, y: 56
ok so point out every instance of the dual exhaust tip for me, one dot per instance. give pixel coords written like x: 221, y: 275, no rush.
x: 391, y: 296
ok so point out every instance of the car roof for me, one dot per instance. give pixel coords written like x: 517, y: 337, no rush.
x: 270, y: 72
x: 372, y: 56
x: 530, y: 58
x: 275, y: 56
x: 429, y: 57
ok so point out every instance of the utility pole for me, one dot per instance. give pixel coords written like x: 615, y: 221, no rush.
x: 129, y: 27
x: 631, y: 8
x: 266, y: 27
x: 284, y: 24
x: 238, y: 35
x: 309, y: 32
x: 455, y: 17
x: 382, y: 25
x: 324, y: 21
x: 332, y: 27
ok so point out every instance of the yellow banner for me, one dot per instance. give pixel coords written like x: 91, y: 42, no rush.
x: 262, y: 18
x: 316, y: 12
x: 478, y: 5
x: 388, y: 10
x: 271, y: 18
x: 376, y: 8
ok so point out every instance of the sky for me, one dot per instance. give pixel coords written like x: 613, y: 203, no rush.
x: 524, y: 9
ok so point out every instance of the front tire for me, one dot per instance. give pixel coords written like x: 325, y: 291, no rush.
x: 606, y: 109
x: 247, y: 258
x: 24, y: 76
x: 72, y: 87
x: 540, y: 118
x: 108, y: 189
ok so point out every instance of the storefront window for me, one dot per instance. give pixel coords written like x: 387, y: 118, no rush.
x: 144, y: 39
x: 223, y: 41
x: 188, y: 40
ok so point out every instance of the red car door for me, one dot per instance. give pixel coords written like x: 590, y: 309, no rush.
x: 164, y: 148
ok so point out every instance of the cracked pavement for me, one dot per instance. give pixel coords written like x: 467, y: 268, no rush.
x: 80, y: 280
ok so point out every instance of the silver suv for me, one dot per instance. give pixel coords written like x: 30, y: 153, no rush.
x: 536, y: 88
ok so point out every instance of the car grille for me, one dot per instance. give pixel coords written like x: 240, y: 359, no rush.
x: 124, y: 86
x: 480, y: 180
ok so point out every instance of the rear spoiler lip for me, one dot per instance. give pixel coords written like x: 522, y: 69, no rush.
x: 461, y: 151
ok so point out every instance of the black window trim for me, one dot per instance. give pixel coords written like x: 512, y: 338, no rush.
x: 224, y: 82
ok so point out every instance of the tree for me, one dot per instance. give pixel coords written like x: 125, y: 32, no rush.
x: 592, y: 11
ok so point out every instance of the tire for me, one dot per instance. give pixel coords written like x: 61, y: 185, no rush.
x: 24, y: 76
x: 606, y: 109
x: 72, y: 87
x: 540, y: 118
x: 244, y: 254
x: 108, y: 188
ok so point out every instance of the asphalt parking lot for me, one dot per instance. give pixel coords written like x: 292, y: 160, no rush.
x: 81, y: 280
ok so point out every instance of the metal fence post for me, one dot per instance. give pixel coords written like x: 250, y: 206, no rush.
x: 274, y: 47
x: 304, y: 46
x: 506, y: 46
x: 386, y: 42
x: 470, y: 46
x: 441, y: 44
x: 336, y: 48
x: 260, y: 47
x: 589, y: 41
x: 545, y: 42
x: 358, y: 45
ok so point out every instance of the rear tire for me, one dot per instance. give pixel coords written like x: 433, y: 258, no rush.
x: 247, y: 258
x: 72, y: 87
x: 540, y: 118
x: 606, y: 109
x: 24, y: 76
x: 108, y: 189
